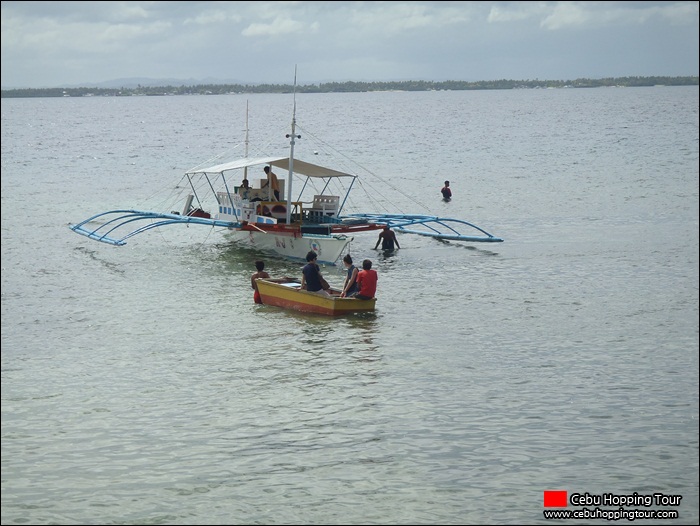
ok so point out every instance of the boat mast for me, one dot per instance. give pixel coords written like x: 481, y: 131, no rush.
x: 245, y: 170
x: 291, y: 151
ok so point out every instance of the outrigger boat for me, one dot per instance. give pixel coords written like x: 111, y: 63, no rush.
x: 291, y: 228
x: 289, y: 295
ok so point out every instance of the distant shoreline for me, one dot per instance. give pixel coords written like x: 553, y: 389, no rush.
x: 348, y: 87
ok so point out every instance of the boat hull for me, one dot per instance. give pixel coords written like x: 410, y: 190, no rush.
x: 292, y: 244
x: 289, y: 296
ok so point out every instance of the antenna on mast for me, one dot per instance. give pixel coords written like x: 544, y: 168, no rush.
x: 291, y: 138
x: 245, y: 170
x: 294, y: 113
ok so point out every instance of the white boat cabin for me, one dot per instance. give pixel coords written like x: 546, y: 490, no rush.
x: 254, y: 205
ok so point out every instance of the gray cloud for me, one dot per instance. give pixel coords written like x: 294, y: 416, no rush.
x: 53, y: 44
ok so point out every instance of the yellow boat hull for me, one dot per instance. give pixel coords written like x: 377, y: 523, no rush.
x: 290, y: 296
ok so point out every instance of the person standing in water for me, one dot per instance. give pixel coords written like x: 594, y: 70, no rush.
x: 446, y: 192
x: 388, y: 239
x: 260, y: 266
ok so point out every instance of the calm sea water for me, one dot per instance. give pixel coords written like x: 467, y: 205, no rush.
x: 142, y: 385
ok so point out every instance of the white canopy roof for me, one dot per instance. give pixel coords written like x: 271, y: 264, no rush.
x: 300, y: 167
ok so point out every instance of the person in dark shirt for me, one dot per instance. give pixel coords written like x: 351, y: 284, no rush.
x: 311, y: 279
x: 350, y: 287
x: 387, y: 239
x: 446, y: 192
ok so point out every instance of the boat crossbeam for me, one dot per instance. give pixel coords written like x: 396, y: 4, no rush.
x: 402, y: 222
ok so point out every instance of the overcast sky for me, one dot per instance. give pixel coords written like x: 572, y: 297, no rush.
x: 61, y: 44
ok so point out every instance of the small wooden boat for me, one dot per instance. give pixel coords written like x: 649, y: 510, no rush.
x: 289, y: 295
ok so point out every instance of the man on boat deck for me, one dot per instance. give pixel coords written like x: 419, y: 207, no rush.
x: 387, y: 238
x: 272, y: 182
x: 244, y: 189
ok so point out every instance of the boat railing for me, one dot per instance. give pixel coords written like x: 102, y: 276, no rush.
x: 278, y: 210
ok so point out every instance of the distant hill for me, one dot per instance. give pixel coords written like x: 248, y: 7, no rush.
x: 143, y: 86
x: 135, y: 82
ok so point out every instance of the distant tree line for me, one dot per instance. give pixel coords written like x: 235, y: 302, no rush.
x: 350, y: 87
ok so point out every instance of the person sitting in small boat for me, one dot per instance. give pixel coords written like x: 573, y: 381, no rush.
x: 311, y: 279
x: 350, y: 287
x: 367, y: 281
x: 446, y: 192
x: 260, y: 266
x: 387, y: 239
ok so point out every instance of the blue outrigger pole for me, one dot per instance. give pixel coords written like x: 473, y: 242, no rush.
x: 403, y: 222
